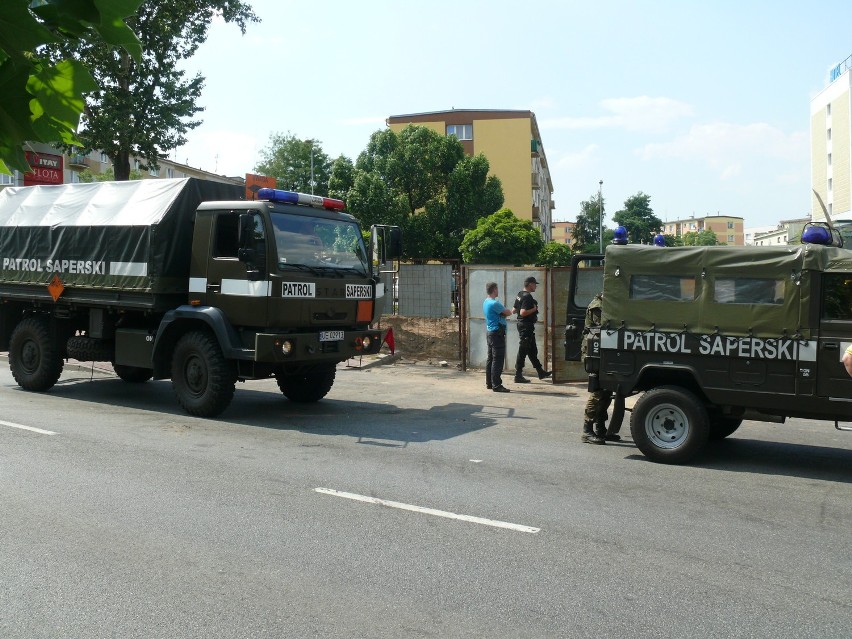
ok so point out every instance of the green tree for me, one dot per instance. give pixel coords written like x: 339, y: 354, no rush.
x: 42, y: 99
x: 587, y: 231
x: 700, y: 238
x: 145, y: 107
x: 673, y: 240
x: 295, y: 163
x: 342, y: 177
x: 502, y: 238
x: 554, y: 254
x: 108, y: 175
x: 638, y: 218
x: 421, y: 181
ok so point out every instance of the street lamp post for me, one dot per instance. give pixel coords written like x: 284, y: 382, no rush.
x: 312, y: 166
x: 600, y: 211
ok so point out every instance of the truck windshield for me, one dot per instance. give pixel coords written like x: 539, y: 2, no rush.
x: 318, y: 243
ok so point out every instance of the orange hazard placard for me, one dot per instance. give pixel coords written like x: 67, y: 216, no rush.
x: 256, y: 182
x: 55, y: 287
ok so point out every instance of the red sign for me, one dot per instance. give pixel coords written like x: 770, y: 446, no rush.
x: 256, y: 182
x: 46, y: 169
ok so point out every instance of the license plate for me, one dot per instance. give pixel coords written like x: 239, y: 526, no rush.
x: 331, y: 336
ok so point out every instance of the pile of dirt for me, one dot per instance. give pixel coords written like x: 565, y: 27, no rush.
x: 424, y: 338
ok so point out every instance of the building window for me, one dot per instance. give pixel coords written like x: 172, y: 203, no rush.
x: 7, y: 180
x: 730, y: 238
x: 828, y: 109
x: 461, y: 131
x: 154, y: 172
x: 829, y: 184
x: 136, y: 164
x: 104, y: 158
x: 829, y: 159
x: 829, y: 134
x: 730, y: 225
x: 75, y: 177
x: 170, y: 173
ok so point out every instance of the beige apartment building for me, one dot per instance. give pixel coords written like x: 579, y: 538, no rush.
x: 831, y: 146
x: 563, y: 232
x: 728, y: 229
x: 512, y: 143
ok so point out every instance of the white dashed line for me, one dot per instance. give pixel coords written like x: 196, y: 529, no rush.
x: 30, y: 428
x: 428, y: 511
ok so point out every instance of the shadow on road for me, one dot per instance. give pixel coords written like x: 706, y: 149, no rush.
x: 371, y: 422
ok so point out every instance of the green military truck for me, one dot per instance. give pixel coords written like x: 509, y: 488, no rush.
x: 712, y: 336
x: 183, y: 279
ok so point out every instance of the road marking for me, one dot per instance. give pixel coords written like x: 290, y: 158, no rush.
x: 428, y: 511
x: 31, y: 428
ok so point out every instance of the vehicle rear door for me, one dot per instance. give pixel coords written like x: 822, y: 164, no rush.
x: 835, y: 336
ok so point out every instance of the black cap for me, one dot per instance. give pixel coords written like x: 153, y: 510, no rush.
x: 530, y: 280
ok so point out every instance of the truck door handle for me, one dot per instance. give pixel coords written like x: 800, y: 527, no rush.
x: 829, y: 346
x: 213, y: 288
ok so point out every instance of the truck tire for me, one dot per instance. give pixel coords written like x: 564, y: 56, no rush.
x: 89, y: 349
x: 669, y: 425
x: 202, y: 379
x: 308, y: 386
x: 34, y: 356
x: 133, y: 374
x: 721, y: 426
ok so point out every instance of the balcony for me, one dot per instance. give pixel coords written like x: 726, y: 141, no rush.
x: 78, y: 162
x: 536, y: 181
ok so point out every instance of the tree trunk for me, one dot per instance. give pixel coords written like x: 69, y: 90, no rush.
x: 121, y: 166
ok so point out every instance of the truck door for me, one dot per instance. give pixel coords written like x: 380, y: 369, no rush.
x: 835, y: 335
x: 585, y: 282
x: 238, y: 279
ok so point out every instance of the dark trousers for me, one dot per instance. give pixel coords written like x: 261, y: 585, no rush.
x: 527, y: 348
x: 496, y: 341
x: 597, y: 407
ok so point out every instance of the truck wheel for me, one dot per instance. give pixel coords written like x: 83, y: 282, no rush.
x: 202, y: 379
x: 34, y: 356
x: 721, y: 427
x: 669, y: 425
x: 133, y: 374
x: 308, y: 386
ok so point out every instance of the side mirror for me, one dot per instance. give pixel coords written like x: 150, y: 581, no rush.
x: 393, y: 248
x: 387, y: 247
x: 246, y: 231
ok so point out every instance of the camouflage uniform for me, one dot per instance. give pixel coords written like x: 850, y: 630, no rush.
x: 594, y: 424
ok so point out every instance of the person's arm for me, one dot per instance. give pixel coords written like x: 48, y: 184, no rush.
x: 506, y: 312
x: 847, y: 360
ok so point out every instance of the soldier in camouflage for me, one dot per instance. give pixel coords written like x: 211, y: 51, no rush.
x: 594, y: 424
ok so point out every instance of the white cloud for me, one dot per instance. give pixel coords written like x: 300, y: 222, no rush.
x: 573, y: 161
x: 724, y: 147
x: 642, y: 113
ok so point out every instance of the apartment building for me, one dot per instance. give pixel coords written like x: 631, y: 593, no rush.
x: 728, y: 229
x: 53, y: 166
x: 512, y: 143
x: 831, y: 146
x: 563, y: 232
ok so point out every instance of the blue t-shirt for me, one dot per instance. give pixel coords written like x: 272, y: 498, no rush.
x: 493, y: 310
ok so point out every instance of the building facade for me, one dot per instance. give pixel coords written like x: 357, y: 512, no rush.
x: 563, y: 232
x: 831, y: 146
x: 53, y: 166
x: 511, y: 142
x: 728, y: 229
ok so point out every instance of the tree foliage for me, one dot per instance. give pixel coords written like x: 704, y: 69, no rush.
x: 108, y: 175
x: 145, y: 107
x: 421, y: 181
x: 587, y: 231
x: 700, y: 238
x: 638, y: 218
x: 298, y: 165
x: 41, y: 99
x: 502, y: 238
x: 554, y: 254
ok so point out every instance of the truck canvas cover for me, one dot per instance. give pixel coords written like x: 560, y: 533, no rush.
x: 759, y: 291
x: 131, y: 236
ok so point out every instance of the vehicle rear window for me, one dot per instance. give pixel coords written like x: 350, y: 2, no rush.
x: 748, y: 290
x: 670, y: 288
x: 837, y: 296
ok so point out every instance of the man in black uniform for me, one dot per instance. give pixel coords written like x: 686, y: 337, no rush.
x: 527, y: 309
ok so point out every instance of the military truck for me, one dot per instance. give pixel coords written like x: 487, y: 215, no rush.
x: 183, y: 279
x: 712, y: 336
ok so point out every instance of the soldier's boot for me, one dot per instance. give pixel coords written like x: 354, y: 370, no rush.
x: 519, y: 377
x: 601, y: 431
x: 589, y: 436
x: 543, y: 374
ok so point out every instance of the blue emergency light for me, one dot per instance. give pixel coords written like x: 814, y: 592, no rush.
x: 291, y: 197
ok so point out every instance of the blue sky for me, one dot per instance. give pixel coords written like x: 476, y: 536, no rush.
x: 704, y: 106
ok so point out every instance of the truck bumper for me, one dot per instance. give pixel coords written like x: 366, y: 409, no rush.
x: 329, y: 345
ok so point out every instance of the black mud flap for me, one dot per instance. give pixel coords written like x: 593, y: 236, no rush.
x: 617, y: 415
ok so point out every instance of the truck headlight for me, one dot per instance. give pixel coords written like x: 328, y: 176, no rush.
x: 366, y: 341
x: 286, y: 347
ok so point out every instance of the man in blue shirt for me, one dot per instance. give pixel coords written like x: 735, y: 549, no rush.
x: 495, y: 323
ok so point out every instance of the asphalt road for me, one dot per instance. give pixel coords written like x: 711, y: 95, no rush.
x: 411, y: 502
